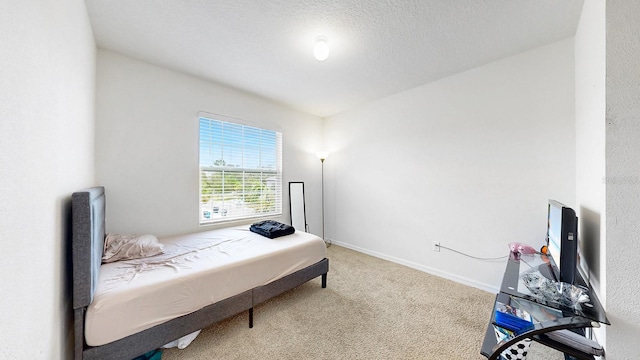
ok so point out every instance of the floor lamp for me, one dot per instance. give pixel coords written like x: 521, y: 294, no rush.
x: 323, y: 155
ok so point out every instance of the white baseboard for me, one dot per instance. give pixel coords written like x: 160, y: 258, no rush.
x: 427, y: 269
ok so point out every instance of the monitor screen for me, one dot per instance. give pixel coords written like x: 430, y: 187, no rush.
x: 554, y: 231
x: 562, y: 240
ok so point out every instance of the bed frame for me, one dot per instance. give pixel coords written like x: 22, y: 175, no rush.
x: 88, y: 228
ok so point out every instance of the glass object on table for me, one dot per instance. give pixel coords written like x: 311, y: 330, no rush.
x: 539, y: 266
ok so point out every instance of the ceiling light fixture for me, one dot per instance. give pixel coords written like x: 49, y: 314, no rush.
x: 321, y: 50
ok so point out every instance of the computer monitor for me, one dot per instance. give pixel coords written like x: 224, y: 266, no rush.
x: 562, y: 240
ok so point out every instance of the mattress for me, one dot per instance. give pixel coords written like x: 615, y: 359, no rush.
x: 195, y: 270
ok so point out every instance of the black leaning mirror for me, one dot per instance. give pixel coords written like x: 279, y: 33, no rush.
x: 297, y: 207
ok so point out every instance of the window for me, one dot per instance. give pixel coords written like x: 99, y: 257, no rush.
x: 240, y: 171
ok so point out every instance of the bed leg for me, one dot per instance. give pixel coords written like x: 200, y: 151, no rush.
x: 324, y: 280
x: 250, y: 318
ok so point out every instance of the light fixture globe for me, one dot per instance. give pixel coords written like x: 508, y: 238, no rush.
x: 321, y: 50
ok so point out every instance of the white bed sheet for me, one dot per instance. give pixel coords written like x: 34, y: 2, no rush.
x: 196, y: 270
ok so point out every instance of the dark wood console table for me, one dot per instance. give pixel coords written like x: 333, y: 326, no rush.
x: 547, y: 315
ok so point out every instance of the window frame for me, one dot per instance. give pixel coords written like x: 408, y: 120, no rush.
x: 236, y: 201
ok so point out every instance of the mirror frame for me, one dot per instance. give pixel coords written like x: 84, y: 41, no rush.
x: 296, y: 188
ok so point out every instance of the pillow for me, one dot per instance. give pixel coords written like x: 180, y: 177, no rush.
x: 127, y: 247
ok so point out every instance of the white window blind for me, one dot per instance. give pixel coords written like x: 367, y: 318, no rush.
x: 240, y: 171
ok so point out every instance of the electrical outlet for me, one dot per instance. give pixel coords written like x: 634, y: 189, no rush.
x: 435, y: 246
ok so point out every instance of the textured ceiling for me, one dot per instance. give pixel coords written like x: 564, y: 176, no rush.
x: 378, y: 47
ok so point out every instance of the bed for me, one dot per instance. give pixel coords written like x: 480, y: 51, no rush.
x: 127, y: 308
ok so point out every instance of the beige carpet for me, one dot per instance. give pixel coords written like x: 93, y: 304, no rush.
x: 371, y: 309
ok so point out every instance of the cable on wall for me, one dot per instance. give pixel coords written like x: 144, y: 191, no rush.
x: 471, y: 256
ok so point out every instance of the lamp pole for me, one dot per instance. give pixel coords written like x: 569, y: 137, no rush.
x: 322, y: 156
x: 322, y: 162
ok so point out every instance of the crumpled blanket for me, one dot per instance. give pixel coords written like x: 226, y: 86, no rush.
x: 272, y: 229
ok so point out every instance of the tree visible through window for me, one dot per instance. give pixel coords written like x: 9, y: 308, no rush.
x: 240, y: 171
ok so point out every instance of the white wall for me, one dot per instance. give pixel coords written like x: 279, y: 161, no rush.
x: 147, y: 144
x: 469, y: 161
x: 623, y: 178
x: 590, y: 55
x: 47, y: 87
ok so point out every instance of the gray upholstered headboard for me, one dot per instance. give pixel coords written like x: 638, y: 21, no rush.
x: 88, y: 228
